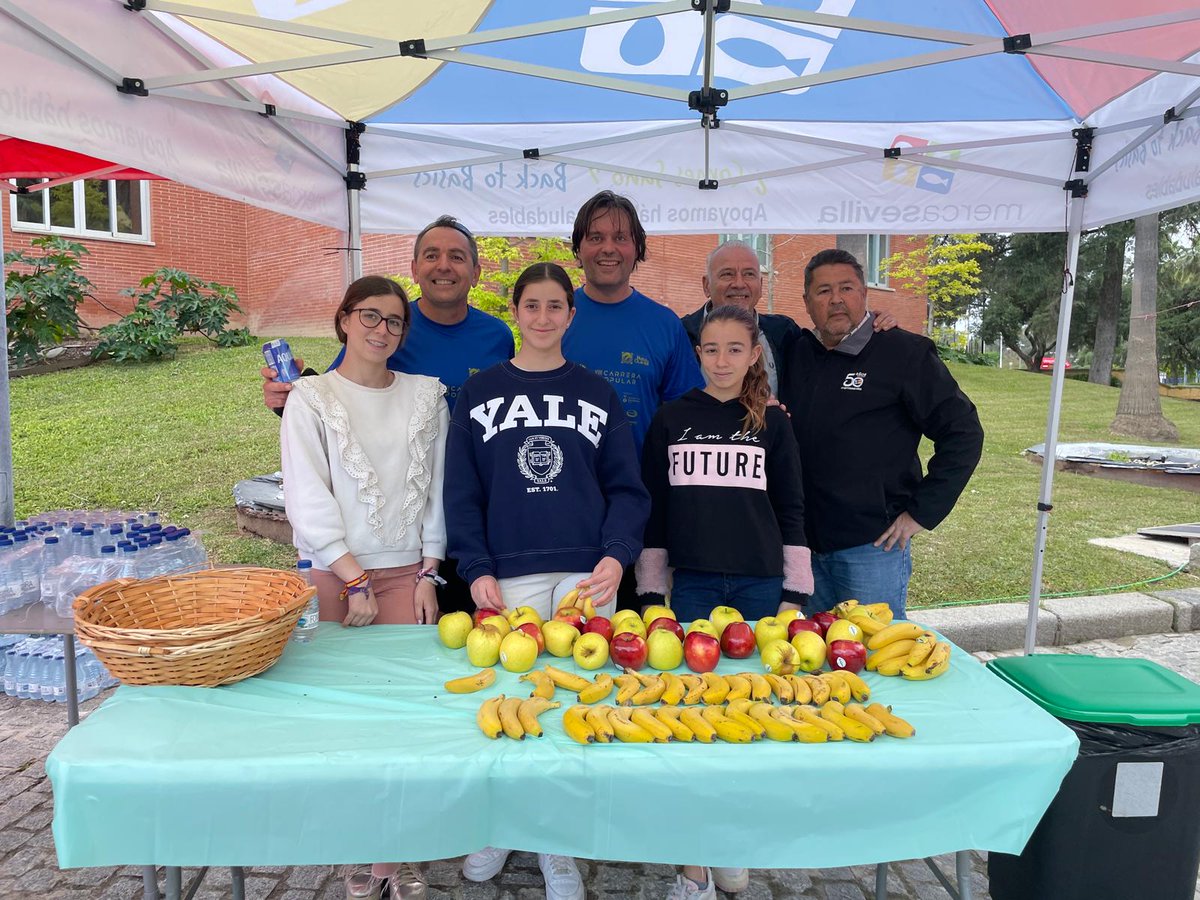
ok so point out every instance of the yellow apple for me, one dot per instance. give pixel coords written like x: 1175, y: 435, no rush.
x: 633, y: 624
x: 810, y: 651
x: 705, y: 626
x: 454, y: 628
x: 523, y: 614
x: 843, y: 630
x: 779, y: 657
x: 664, y: 650
x: 722, y: 616
x: 591, y: 651
x: 518, y: 651
x: 768, y: 629
x: 559, y: 637
x: 650, y: 613
x: 483, y: 646
x: 621, y: 615
x: 788, y: 616
x: 499, y: 623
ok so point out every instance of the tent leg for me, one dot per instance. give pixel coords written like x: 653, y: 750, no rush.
x: 353, y: 199
x: 1056, y: 385
x: 6, y: 464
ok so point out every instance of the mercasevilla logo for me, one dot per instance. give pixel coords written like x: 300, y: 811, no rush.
x: 859, y: 213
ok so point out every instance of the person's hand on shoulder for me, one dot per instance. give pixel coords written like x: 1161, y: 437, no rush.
x: 884, y: 321
x: 275, y: 392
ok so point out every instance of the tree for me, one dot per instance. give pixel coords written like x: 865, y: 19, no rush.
x: 42, y: 305
x: 1179, y: 309
x: 1139, y: 411
x: 1021, y: 281
x: 946, y: 267
x: 1113, y: 238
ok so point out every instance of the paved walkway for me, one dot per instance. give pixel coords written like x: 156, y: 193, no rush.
x: 29, y: 730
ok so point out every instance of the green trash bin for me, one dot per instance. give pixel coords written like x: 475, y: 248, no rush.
x: 1126, y: 820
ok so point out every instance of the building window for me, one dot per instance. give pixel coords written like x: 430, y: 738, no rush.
x: 760, y: 242
x: 877, y: 252
x: 90, y: 208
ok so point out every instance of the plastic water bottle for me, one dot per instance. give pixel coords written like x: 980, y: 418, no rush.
x: 306, y: 627
x: 22, y: 675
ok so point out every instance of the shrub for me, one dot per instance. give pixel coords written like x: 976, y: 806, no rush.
x: 42, y: 305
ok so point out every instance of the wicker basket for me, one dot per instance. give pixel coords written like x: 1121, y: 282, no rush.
x: 206, y: 628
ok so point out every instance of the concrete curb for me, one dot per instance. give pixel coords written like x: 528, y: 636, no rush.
x: 1068, y: 620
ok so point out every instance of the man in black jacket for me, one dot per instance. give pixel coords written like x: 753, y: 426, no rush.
x: 860, y: 402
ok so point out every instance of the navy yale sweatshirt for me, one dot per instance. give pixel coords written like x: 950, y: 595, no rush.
x: 541, y: 474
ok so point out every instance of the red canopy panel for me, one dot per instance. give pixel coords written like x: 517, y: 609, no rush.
x: 26, y: 159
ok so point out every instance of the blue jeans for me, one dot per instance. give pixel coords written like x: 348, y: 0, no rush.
x: 866, y: 573
x: 694, y: 594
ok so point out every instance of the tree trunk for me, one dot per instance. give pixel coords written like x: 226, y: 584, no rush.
x: 1107, y: 309
x: 1139, y: 412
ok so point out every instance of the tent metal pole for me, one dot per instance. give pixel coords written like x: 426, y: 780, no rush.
x: 1184, y: 106
x: 66, y: 46
x: 293, y: 64
x: 7, y: 517
x: 354, y: 201
x: 1044, y: 506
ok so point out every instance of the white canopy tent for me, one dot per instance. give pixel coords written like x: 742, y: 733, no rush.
x: 827, y: 116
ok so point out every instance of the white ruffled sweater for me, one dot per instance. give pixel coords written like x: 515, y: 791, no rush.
x: 362, y: 469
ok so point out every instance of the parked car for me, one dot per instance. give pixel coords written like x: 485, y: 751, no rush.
x: 1048, y: 363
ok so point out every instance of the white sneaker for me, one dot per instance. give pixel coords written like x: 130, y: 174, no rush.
x: 485, y: 864
x: 731, y: 880
x: 562, y: 877
x: 686, y: 889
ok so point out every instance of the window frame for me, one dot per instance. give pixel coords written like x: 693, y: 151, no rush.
x: 760, y: 241
x: 79, y: 229
x: 878, y: 249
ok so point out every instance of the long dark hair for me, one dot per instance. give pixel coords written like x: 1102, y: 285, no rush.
x: 360, y: 290
x: 544, y: 271
x: 603, y: 203
x: 756, y: 390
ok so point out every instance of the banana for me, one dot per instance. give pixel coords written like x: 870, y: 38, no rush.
x: 469, y: 684
x: 645, y: 679
x: 726, y: 728
x: 699, y: 725
x: 542, y: 685
x: 870, y: 626
x: 760, y: 686
x: 859, y: 689
x: 627, y: 686
x: 651, y: 694
x: 597, y: 690
x: 740, y: 715
x: 880, y: 611
x: 488, y: 717
x: 892, y: 666
x: 660, y: 730
x: 801, y: 692
x: 695, y: 689
x: 921, y: 673
x: 839, y: 688
x: 856, y: 712
x: 808, y: 715
x: 940, y: 654
x: 576, y: 726
x: 894, y: 650
x: 597, y: 718
x: 717, y: 689
x: 670, y: 716
x: 674, y: 690
x: 739, y: 687
x: 509, y: 721
x: 805, y: 732
x: 855, y: 730
x: 625, y: 730
x: 845, y: 609
x: 738, y: 704
x: 819, y: 687
x: 893, y: 724
x: 781, y: 686
x: 763, y: 713
x: 898, y: 631
x: 567, y: 680
x: 569, y: 599
x: 528, y: 712
x: 922, y: 648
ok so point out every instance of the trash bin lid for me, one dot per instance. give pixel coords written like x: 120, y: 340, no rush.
x: 1099, y: 689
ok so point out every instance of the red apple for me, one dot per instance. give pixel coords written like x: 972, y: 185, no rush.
x: 824, y: 619
x: 571, y: 616
x: 798, y: 625
x: 847, y: 655
x: 628, y: 650
x: 702, y: 651
x: 668, y: 623
x: 599, y: 625
x: 483, y: 613
x: 737, y: 640
x: 531, y: 629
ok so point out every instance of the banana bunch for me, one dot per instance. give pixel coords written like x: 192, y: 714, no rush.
x: 909, y: 650
x: 469, y: 684
x: 512, y: 716
x: 571, y: 599
x: 635, y: 688
x: 872, y: 618
x: 740, y: 722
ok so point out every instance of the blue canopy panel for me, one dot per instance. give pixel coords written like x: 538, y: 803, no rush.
x: 666, y: 51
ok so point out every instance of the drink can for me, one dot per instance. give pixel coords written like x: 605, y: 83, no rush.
x: 278, y: 355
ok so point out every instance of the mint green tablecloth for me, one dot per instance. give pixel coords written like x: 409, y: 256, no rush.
x: 349, y: 750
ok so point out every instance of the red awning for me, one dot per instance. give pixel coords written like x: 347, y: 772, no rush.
x: 25, y: 159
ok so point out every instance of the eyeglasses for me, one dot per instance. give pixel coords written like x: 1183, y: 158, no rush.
x: 371, y: 318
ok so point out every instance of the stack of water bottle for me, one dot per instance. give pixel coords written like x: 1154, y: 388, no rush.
x: 32, y: 669
x: 58, y: 555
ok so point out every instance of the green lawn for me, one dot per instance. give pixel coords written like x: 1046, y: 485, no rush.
x: 176, y: 435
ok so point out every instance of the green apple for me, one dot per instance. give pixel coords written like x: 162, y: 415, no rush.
x: 630, y: 624
x: 704, y: 626
x: 810, y: 651
x: 664, y: 650
x: 779, y: 657
x: 454, y: 628
x: 523, y: 614
x: 788, y: 616
x: 518, y: 651
x: 499, y: 623
x: 620, y: 616
x: 768, y: 629
x: 650, y: 613
x: 559, y: 636
x: 722, y: 616
x: 483, y: 645
x: 590, y: 651
x: 843, y: 630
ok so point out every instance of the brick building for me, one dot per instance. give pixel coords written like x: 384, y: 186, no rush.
x: 289, y: 274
